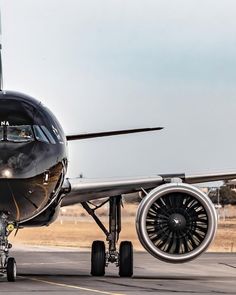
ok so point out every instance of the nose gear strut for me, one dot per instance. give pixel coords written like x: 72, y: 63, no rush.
x: 7, y: 264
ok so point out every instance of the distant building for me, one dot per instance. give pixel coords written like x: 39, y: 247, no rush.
x: 231, y: 184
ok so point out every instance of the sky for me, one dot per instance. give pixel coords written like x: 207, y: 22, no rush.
x: 104, y: 65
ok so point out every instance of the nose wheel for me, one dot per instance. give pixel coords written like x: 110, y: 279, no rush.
x: 7, y: 264
x: 11, y: 269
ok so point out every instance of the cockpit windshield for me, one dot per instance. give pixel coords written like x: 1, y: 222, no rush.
x: 27, y: 133
x: 22, y: 133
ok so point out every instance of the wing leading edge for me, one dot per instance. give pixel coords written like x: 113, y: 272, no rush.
x: 79, y: 190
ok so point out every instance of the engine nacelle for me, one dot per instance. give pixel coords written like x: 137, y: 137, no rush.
x: 176, y: 222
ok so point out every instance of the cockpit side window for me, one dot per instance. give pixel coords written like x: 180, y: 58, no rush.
x: 39, y: 135
x: 56, y: 132
x: 48, y: 134
x: 1, y: 133
x: 21, y: 133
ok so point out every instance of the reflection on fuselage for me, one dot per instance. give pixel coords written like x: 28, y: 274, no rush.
x: 33, y: 156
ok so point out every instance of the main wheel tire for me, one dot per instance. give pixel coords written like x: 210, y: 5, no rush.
x: 126, y: 259
x: 98, y: 259
x: 11, y: 269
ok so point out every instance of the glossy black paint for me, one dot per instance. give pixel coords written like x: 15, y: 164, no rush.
x: 31, y: 173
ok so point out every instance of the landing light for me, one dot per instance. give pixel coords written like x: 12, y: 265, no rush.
x: 7, y: 173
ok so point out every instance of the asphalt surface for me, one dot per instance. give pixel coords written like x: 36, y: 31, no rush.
x: 60, y: 271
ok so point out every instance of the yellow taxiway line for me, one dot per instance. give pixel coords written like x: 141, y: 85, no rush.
x: 71, y: 286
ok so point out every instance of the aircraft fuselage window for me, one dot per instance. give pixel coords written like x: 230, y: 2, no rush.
x: 22, y: 133
x: 39, y: 134
x: 1, y: 133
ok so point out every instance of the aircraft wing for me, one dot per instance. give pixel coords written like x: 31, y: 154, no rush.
x: 110, y: 133
x: 79, y: 190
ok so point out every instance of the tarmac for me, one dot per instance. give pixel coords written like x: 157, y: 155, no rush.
x: 60, y: 271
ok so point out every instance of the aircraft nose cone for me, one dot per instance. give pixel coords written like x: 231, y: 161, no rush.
x: 17, y: 162
x: 177, y: 222
x: 22, y: 198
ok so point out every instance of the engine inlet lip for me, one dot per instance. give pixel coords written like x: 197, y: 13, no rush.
x: 164, y: 190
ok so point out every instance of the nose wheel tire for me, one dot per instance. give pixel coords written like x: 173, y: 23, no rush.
x: 126, y: 259
x: 11, y: 269
x: 98, y: 259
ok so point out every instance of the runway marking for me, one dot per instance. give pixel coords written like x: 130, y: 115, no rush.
x: 46, y: 263
x: 225, y: 264
x: 70, y: 286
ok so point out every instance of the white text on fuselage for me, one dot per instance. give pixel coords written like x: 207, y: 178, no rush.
x: 5, y: 123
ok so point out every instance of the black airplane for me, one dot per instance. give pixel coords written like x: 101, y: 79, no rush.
x: 175, y: 221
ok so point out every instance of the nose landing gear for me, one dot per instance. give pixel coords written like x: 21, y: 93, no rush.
x: 7, y: 264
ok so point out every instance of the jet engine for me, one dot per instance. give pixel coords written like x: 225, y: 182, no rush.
x: 176, y: 222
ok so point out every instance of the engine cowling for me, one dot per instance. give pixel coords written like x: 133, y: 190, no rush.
x: 176, y: 222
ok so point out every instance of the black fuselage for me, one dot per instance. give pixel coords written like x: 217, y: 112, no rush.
x: 33, y: 157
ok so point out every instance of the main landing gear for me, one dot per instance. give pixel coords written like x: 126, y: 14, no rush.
x: 7, y: 264
x: 100, y: 258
